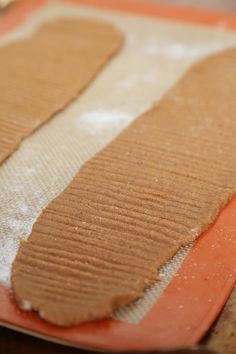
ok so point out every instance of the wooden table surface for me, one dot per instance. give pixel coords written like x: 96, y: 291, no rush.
x: 12, y: 342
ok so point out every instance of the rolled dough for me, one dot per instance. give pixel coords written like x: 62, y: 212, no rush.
x: 156, y: 187
x: 40, y: 75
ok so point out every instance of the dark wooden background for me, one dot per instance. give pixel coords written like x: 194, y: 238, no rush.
x: 12, y: 342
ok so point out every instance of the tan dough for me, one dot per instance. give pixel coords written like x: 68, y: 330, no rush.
x: 130, y: 208
x: 42, y: 74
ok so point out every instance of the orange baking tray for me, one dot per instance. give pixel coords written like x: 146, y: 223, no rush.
x: 197, y: 293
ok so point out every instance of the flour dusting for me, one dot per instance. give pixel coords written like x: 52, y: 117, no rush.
x: 179, y: 50
x: 8, y: 248
x: 95, y: 122
x: 25, y: 305
x: 137, y: 79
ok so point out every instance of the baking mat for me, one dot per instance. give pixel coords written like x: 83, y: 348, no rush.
x: 47, y: 161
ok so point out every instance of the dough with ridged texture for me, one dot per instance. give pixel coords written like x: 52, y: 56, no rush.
x: 156, y: 187
x: 40, y: 75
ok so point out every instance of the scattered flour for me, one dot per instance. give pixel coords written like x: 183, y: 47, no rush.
x: 137, y: 79
x: 95, y: 122
x: 8, y: 247
x: 26, y: 305
x: 195, y: 232
x: 179, y: 50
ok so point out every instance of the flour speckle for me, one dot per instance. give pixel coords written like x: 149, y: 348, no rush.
x: 16, y: 225
x: 25, y: 305
x: 195, y: 232
x: 8, y: 248
x: 97, y: 121
x: 136, y: 79
x: 173, y: 50
x: 179, y: 50
x: 23, y: 208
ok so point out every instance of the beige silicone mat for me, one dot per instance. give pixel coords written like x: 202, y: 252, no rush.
x: 155, y: 55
